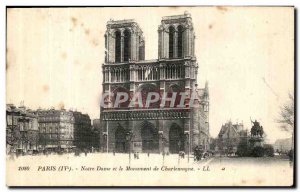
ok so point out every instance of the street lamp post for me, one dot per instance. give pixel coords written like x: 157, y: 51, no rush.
x: 179, y: 144
x: 163, y: 139
x: 129, y: 137
x: 187, y: 139
x: 105, y: 138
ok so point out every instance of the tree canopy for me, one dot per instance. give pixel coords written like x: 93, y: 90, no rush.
x: 286, y: 115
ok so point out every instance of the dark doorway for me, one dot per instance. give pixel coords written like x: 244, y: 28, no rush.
x: 176, y: 139
x: 150, y: 139
x: 120, y: 140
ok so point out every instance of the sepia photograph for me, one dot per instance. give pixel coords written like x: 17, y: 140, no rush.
x: 195, y: 96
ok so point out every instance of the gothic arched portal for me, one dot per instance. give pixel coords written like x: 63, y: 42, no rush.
x: 150, y: 138
x: 176, y: 138
x: 120, y: 140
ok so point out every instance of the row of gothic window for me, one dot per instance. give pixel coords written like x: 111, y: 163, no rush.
x: 176, y: 43
x: 145, y: 73
x: 127, y: 46
x: 126, y: 49
x: 117, y: 75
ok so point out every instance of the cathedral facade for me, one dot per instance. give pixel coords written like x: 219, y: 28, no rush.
x: 173, y: 127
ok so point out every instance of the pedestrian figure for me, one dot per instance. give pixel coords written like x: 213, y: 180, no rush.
x: 148, y: 154
x: 77, y: 153
x: 137, y: 155
x: 181, y: 154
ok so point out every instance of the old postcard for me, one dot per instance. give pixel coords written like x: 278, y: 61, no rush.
x: 150, y: 96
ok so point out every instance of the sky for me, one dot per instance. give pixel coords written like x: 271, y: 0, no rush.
x: 54, y: 58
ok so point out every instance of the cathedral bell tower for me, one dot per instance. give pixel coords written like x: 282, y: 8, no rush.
x: 124, y: 42
x: 176, y: 38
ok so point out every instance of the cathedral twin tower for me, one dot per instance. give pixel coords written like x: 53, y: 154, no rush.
x: 124, y: 40
x: 152, y: 128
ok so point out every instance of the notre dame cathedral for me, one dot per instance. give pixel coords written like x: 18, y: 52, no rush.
x: 153, y: 129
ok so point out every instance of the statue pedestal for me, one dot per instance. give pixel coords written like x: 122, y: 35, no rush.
x: 256, y: 141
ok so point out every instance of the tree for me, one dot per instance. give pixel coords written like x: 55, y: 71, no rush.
x: 13, y: 136
x: 243, y: 148
x: 213, y: 143
x: 258, y: 151
x: 287, y: 116
x: 33, y: 138
x: 286, y: 119
x: 269, y: 150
